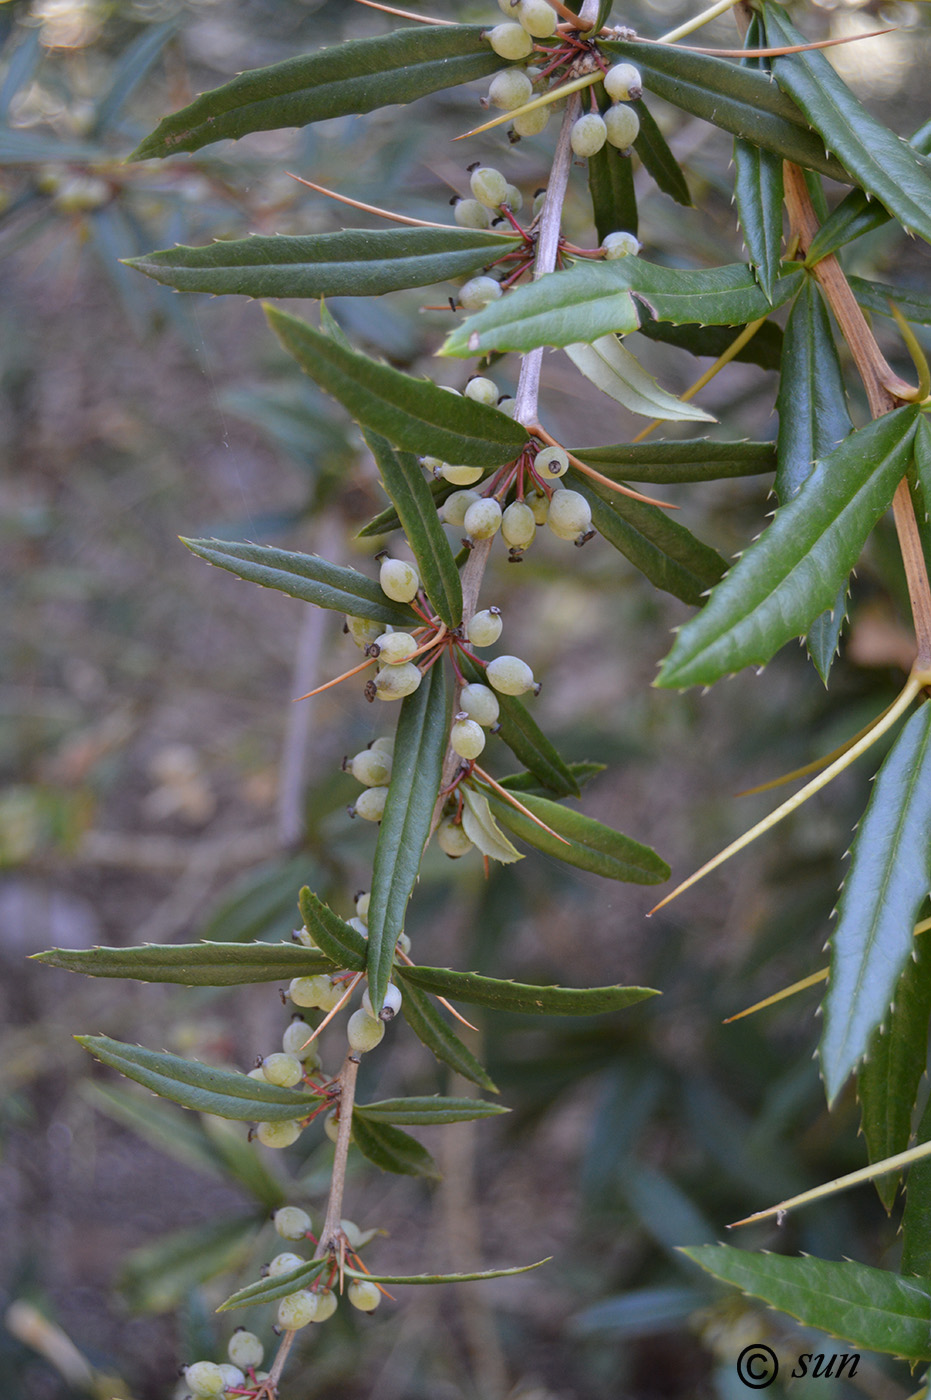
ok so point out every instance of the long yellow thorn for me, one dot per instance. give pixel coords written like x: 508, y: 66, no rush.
x: 597, y: 476
x: 554, y: 95
x: 405, y: 14
x: 369, y: 208
x: 336, y: 680
x: 735, y: 347
x: 509, y: 797
x: 816, y: 764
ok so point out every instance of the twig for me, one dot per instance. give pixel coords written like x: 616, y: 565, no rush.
x: 329, y: 1234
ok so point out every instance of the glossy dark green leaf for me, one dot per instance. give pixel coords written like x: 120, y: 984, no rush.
x: 193, y: 964
x: 391, y: 1149
x: 445, y: 1278
x: 916, y: 1218
x: 888, y: 1082
x: 160, y: 1276
x: 526, y: 740
x: 407, y: 486
x: 889, y: 876
x: 763, y: 348
x: 341, y: 943
x: 758, y: 188
x: 664, y: 551
x: 352, y: 262
x: 884, y: 165
x: 429, y: 1026
x: 411, y: 413
x: 359, y: 76
x: 794, y: 570
x: 872, y: 1308
x: 522, y: 996
x: 419, y: 746
x: 528, y: 782
x: 305, y: 576
x: 428, y: 1109
x: 914, y: 304
x: 611, y: 185
x: 591, y: 845
x: 690, y: 459
x: 653, y: 149
x: 201, y: 1087
x: 269, y: 1290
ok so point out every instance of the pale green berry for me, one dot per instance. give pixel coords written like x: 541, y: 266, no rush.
x: 531, y: 124
x: 384, y: 742
x: 233, y: 1377
x: 588, y: 135
x: 552, y: 461
x: 488, y: 185
x: 331, y: 1125
x: 510, y: 89
x: 285, y: 1263
x: 364, y: 1295
x: 258, y: 1073
x: 468, y: 213
x: 537, y: 18
x: 360, y: 926
x: 484, y: 628
x: 393, y: 648
x: 509, y: 675
x: 510, y: 41
x: 509, y: 7
x: 482, y: 390
x: 620, y: 245
x: 283, y: 1070
x: 391, y: 1005
x: 292, y: 1223
x: 479, y: 702
x: 326, y: 1305
x: 278, y: 1134
x: 455, y: 506
x: 478, y: 292
x: 363, y: 630
x: 371, y: 768
x: 539, y: 198
x: 204, y: 1378
x: 296, y: 1041
x: 508, y: 406
x: 297, y: 1310
x: 461, y: 476
x: 515, y: 200
x: 539, y: 504
x: 370, y: 804
x: 304, y: 937
x: 399, y: 580
x: 452, y: 839
x: 309, y: 991
x: 404, y: 943
x: 244, y: 1349
x: 483, y: 519
x: 362, y: 905
x: 466, y: 738
x: 623, y: 82
x: 394, y: 682
x: 518, y: 526
x: 364, y: 1031
x: 622, y: 125
x: 570, y: 515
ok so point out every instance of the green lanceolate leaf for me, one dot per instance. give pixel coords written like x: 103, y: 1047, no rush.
x: 591, y: 845
x: 482, y: 829
x: 391, y: 1149
x: 736, y: 99
x: 388, y: 519
x: 884, y: 165
x: 871, y: 1308
x: 305, y: 576
x: 422, y: 1111
x: 692, y: 459
x: 193, y: 964
x: 793, y: 571
x: 340, y: 943
x: 888, y: 1082
x: 523, y: 996
x: 268, y: 1290
x: 611, y: 185
x: 429, y: 1026
x: 526, y: 740
x: 444, y: 1278
x: 411, y: 413
x: 611, y: 367
x: 352, y: 262
x: 916, y: 1218
x: 888, y: 878
x: 406, y: 485
x: 359, y: 76
x: 664, y: 551
x: 758, y: 190
x: 202, y: 1087
x: 160, y: 1276
x: 419, y: 745
x: 527, y: 782
x: 813, y: 419
x: 877, y: 296
x: 763, y: 348
x: 653, y: 149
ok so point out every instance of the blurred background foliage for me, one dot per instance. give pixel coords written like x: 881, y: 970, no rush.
x: 158, y: 784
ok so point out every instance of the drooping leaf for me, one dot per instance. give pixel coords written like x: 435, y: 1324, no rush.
x: 422, y: 1111
x: 341, y: 944
x: 611, y: 367
x: 887, y: 1083
x: 872, y: 1308
x: 359, y: 76
x: 763, y: 348
x: 445, y: 1278
x: 411, y: 413
x: 523, y: 996
x: 653, y: 149
x: 526, y: 740
x: 193, y: 964
x: 420, y: 742
x: 691, y: 459
x: 429, y: 1026
x: 161, y: 1275
x: 305, y: 576
x: 351, y: 262
x: 268, y: 1290
x: 201, y: 1087
x: 889, y: 876
x: 792, y: 573
x: 884, y: 165
x: 482, y: 829
x: 916, y: 1218
x: 758, y: 189
x: 914, y: 304
x: 591, y: 845
x: 611, y: 185
x: 406, y: 485
x: 391, y: 1149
